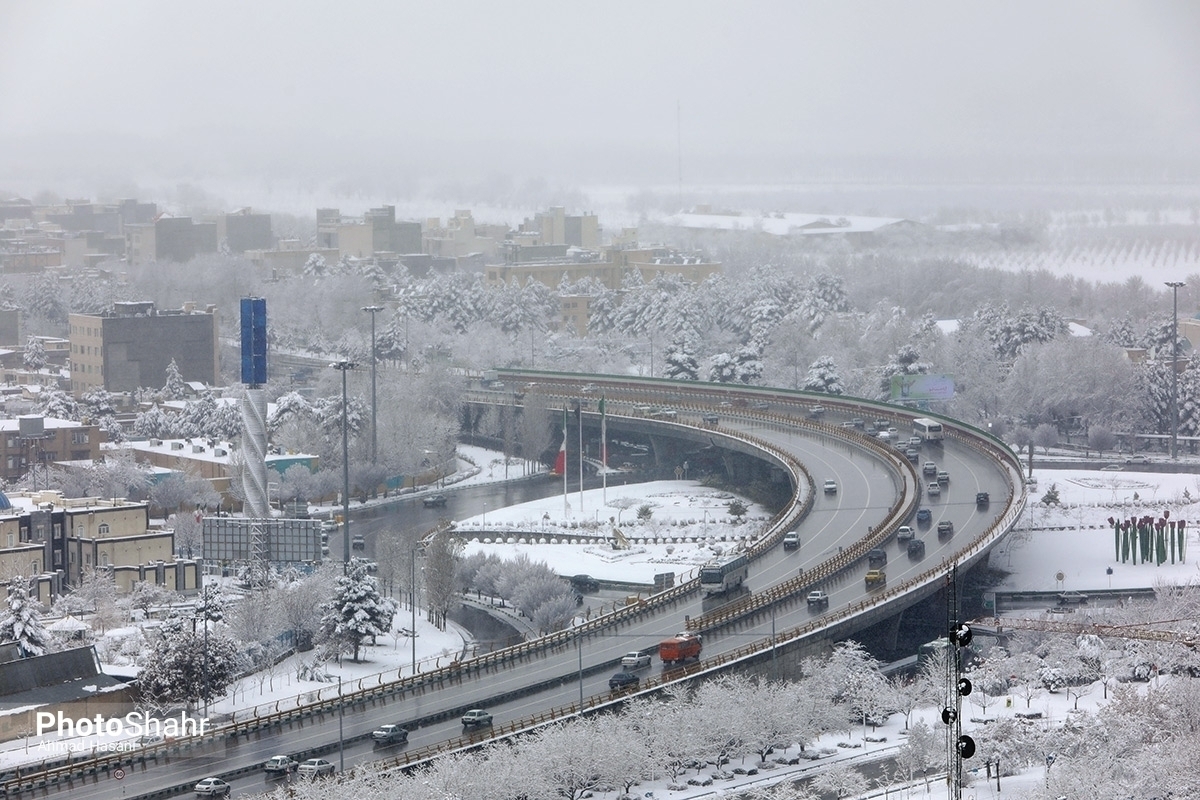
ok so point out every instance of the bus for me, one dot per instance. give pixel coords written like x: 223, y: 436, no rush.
x: 930, y: 430
x: 718, y: 577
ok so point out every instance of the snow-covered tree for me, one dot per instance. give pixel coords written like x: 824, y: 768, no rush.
x: 315, y: 267
x: 681, y: 363
x: 356, y: 611
x: 185, y: 665
x: 823, y: 376
x: 58, y: 404
x: 153, y: 423
x: 21, y: 622
x: 174, y: 388
x: 34, y: 356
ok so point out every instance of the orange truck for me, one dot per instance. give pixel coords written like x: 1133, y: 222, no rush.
x: 679, y: 648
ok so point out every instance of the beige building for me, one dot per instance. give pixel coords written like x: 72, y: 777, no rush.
x: 57, y: 540
x: 131, y: 347
x: 461, y: 236
x: 610, y: 268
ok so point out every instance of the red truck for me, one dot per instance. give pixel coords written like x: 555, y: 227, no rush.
x: 679, y: 648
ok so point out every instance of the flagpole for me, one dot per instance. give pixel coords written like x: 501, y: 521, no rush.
x: 566, y: 513
x: 603, y: 454
x: 579, y: 422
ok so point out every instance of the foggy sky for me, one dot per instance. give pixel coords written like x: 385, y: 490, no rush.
x: 615, y: 91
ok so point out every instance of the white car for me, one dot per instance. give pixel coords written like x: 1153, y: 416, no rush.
x: 315, y: 768
x: 212, y: 787
x: 904, y: 533
x: 791, y: 540
x: 934, y: 489
x: 636, y: 659
x: 830, y: 487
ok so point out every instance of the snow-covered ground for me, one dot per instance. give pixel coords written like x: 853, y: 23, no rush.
x: 690, y: 523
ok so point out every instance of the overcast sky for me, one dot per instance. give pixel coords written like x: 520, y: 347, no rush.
x: 592, y: 91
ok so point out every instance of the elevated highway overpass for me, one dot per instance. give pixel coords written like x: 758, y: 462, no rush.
x: 766, y: 434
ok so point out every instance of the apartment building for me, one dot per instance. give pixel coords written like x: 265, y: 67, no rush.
x: 376, y: 233
x: 244, y: 230
x: 34, y: 440
x: 57, y: 540
x: 130, y: 347
x: 169, y: 238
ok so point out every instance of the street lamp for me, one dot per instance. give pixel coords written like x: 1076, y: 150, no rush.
x: 344, y: 367
x: 374, y: 438
x: 1175, y: 286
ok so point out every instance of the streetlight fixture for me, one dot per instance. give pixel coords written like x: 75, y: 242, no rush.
x: 1175, y: 287
x: 374, y: 438
x: 344, y: 367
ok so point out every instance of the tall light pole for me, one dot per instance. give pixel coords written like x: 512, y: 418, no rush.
x: 1175, y: 286
x: 344, y: 367
x: 374, y: 438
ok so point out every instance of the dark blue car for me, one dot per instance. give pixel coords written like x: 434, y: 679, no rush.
x: 924, y: 516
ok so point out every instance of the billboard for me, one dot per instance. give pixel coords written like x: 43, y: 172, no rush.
x: 231, y: 539
x: 915, y: 388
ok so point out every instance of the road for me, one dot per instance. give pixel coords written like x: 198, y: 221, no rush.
x: 867, y: 488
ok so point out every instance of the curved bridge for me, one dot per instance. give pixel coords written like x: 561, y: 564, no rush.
x: 759, y: 434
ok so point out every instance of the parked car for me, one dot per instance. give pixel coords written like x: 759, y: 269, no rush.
x: 280, y: 765
x: 945, y: 528
x: 934, y: 489
x: 623, y: 680
x: 905, y: 534
x: 212, y: 787
x: 982, y: 498
x: 929, y: 468
x: 434, y: 501
x: 924, y: 516
x: 791, y: 540
x: 315, y: 768
x: 636, y: 659
x: 818, y: 598
x: 1072, y: 598
x: 830, y: 487
x: 584, y: 583
x: 476, y: 717
x: 390, y: 734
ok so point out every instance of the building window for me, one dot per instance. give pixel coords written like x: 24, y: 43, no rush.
x: 103, y: 529
x: 12, y: 540
x: 104, y: 559
x: 79, y: 437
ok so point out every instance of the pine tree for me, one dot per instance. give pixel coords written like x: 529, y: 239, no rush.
x: 823, y: 376
x: 185, y: 665
x: 175, y: 388
x: 20, y: 622
x: 34, y: 357
x: 356, y: 610
x: 681, y: 363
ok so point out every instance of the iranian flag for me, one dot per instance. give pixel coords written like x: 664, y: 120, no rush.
x: 560, y: 460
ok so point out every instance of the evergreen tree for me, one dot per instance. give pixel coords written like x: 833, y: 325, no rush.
x: 823, y: 376
x: 175, y: 388
x: 187, y: 666
x: 153, y: 423
x: 681, y: 363
x: 21, y: 623
x: 356, y: 610
x: 58, y: 404
x: 34, y: 357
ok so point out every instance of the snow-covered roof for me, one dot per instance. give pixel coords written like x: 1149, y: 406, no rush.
x: 949, y: 326
x: 13, y: 424
x: 783, y: 224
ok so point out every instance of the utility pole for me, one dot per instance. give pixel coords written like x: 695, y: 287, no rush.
x: 344, y: 367
x: 1175, y: 286
x: 374, y: 435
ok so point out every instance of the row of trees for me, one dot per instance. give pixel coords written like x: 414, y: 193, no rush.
x: 1138, y: 743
